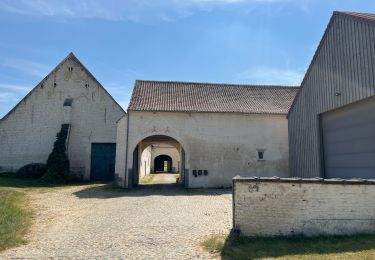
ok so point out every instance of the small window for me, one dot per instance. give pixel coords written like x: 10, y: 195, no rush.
x: 260, y: 154
x: 68, y: 102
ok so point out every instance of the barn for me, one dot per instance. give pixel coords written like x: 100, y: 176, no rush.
x: 69, y: 97
x: 218, y: 130
x: 332, y: 119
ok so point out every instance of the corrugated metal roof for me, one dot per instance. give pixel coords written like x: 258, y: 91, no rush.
x: 210, y: 97
x: 365, y: 16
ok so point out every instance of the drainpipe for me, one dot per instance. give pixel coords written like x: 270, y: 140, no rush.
x: 126, y: 184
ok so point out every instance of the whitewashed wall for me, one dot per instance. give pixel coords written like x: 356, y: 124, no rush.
x: 121, y: 150
x: 145, y: 162
x: 225, y: 144
x: 171, y: 151
x: 309, y: 207
x: 27, y: 134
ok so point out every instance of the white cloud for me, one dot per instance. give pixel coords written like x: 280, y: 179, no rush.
x: 27, y: 67
x: 133, y: 10
x: 5, y: 97
x: 272, y: 76
x: 15, y: 88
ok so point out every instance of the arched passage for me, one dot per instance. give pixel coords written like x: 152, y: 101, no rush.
x: 141, y: 155
x: 163, y: 163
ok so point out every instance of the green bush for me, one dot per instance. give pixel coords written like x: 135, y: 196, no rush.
x: 32, y: 170
x: 58, y: 163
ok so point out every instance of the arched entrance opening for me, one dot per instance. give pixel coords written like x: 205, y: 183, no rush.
x: 158, y: 159
x: 163, y: 163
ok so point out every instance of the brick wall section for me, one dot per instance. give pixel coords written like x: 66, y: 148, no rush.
x: 283, y: 207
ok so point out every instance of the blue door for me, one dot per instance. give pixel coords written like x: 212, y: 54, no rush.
x: 103, y: 156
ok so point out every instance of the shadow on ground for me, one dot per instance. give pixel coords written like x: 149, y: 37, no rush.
x: 110, y: 191
x: 9, y: 180
x: 323, y: 247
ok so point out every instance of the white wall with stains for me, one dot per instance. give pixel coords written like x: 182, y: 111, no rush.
x: 303, y: 207
x: 224, y: 144
x: 27, y: 134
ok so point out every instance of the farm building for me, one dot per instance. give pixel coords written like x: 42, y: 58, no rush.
x: 332, y: 119
x: 219, y: 131
x: 69, y: 97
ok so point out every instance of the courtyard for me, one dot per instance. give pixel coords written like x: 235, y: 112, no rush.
x: 96, y: 221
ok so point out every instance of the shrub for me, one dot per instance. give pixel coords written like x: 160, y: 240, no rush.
x: 58, y: 162
x: 32, y: 170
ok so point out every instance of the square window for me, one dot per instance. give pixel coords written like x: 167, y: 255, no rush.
x: 260, y: 154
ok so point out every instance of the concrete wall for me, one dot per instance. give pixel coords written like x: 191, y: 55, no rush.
x: 27, y: 134
x: 224, y: 144
x: 169, y: 150
x: 342, y: 72
x: 310, y: 207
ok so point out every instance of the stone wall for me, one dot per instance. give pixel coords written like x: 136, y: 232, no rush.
x: 274, y: 207
x: 28, y: 132
x: 222, y: 144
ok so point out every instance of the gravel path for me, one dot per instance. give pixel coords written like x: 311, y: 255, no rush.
x: 144, y: 223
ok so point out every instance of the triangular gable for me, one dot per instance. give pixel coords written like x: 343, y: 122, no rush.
x: 363, y: 17
x: 70, y: 56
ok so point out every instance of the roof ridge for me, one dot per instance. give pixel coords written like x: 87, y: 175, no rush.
x: 216, y: 84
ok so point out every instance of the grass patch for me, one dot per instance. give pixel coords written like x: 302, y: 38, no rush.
x: 215, y: 243
x: 334, y: 247
x: 15, y: 218
x: 147, y: 179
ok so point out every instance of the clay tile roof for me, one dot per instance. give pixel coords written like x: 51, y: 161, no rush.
x: 363, y: 16
x: 209, y: 97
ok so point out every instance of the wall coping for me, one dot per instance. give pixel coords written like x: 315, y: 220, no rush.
x: 304, y: 180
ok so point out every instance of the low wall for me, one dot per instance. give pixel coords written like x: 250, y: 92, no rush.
x: 284, y: 207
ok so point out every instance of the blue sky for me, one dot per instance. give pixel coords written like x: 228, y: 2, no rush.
x: 232, y: 41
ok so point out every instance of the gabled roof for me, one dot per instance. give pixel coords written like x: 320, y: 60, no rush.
x: 210, y: 97
x: 363, y: 17
x: 70, y: 56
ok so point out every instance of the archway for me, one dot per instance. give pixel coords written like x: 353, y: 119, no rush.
x: 163, y: 163
x: 143, y: 166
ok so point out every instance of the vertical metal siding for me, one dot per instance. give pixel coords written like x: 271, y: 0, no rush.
x: 345, y: 64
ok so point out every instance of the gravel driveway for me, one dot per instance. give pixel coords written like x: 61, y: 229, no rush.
x: 144, y: 223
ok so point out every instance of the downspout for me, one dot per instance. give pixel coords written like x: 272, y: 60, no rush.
x: 126, y: 184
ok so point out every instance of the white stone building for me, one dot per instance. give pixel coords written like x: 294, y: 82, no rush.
x: 71, y: 95
x: 219, y: 130
x: 208, y: 133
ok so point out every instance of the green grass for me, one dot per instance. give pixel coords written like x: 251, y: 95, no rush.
x: 15, y: 218
x: 334, y: 247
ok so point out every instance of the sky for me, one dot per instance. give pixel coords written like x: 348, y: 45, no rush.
x: 119, y: 41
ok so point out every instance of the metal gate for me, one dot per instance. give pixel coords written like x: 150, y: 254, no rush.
x: 348, y: 139
x: 103, y: 157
